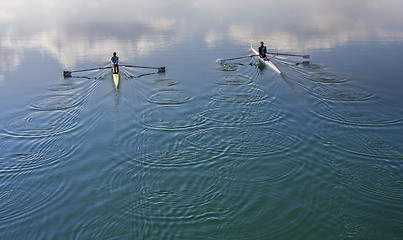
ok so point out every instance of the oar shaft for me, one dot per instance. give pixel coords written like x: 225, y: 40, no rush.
x: 68, y: 73
x: 140, y: 67
x: 160, y: 69
x: 91, y: 69
x: 292, y: 55
x: 235, y: 58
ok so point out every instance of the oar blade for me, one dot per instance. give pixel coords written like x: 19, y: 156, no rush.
x: 66, y: 74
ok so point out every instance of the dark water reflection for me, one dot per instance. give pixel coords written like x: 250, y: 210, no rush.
x: 205, y: 150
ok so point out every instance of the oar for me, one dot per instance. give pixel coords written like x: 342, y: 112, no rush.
x: 235, y: 58
x: 68, y: 73
x: 293, y: 55
x: 160, y: 69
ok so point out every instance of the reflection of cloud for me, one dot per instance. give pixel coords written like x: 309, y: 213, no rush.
x: 95, y: 41
x: 76, y: 30
x: 294, y: 39
x: 313, y: 24
x: 10, y: 57
x: 92, y: 41
x: 213, y: 37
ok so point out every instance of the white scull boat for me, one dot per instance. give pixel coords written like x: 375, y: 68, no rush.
x: 267, y: 62
x: 116, y: 79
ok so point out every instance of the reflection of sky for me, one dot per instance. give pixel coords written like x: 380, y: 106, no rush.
x: 75, y: 30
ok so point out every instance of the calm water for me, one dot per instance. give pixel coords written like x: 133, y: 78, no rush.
x: 205, y: 150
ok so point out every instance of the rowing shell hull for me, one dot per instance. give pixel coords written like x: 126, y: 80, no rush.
x: 268, y: 63
x: 116, y: 79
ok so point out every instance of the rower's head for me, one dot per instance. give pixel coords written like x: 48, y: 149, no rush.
x: 261, y: 43
x: 114, y: 54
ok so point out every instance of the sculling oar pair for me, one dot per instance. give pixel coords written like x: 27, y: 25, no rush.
x: 68, y: 73
x: 253, y: 55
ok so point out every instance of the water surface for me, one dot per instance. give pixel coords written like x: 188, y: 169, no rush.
x: 206, y: 150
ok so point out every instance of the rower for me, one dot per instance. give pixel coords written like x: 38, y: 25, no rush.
x: 115, y: 63
x: 262, y: 51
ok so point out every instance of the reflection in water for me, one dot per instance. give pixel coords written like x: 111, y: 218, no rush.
x: 204, y: 150
x: 87, y: 31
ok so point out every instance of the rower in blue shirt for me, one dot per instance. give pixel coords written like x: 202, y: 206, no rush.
x: 115, y: 63
x: 262, y: 51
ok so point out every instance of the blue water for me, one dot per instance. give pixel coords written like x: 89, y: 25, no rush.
x: 206, y: 150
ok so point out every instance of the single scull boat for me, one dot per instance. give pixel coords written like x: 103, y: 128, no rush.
x: 116, y: 79
x: 267, y: 62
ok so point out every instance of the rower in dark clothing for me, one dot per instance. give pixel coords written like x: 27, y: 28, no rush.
x: 115, y: 63
x: 262, y: 51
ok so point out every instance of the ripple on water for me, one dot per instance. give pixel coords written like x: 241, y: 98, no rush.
x: 66, y: 85
x: 166, y: 82
x: 366, y: 177
x: 248, y: 155
x: 234, y: 79
x: 169, y: 96
x: 376, y: 143
x: 27, y: 155
x: 248, y: 141
x: 24, y: 196
x: 42, y: 123
x: 150, y: 198
x: 239, y: 94
x: 243, y: 115
x: 314, y: 66
x: 268, y: 103
x: 244, y: 206
x: 227, y: 67
x: 141, y: 148
x: 326, y: 77
x: 361, y: 113
x: 147, y: 196
x: 56, y: 102
x: 171, y: 118
x: 74, y: 86
x: 340, y: 92
x: 160, y: 181
x: 179, y: 158
x: 317, y: 74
